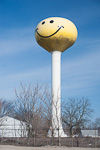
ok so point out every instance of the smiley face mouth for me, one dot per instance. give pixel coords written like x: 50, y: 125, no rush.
x: 49, y: 35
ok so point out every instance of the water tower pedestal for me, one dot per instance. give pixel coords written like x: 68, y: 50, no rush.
x: 56, y: 130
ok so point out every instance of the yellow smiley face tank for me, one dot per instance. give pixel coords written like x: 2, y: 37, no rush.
x: 56, y: 34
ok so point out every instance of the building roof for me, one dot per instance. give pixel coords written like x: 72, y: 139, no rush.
x: 9, y: 121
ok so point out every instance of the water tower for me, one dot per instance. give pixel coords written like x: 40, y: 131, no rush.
x: 56, y: 34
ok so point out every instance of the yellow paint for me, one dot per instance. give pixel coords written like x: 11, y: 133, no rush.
x: 56, y: 34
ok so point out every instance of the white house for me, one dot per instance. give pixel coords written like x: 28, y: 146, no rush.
x: 90, y: 133
x: 10, y: 127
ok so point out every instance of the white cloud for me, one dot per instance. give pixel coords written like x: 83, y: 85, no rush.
x: 16, y: 40
x: 82, y: 73
x: 27, y: 75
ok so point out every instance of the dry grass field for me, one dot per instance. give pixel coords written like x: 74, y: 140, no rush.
x: 9, y: 147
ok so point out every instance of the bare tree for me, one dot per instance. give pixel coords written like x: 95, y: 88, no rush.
x: 46, y: 101
x: 29, y: 108
x: 5, y: 108
x: 95, y: 124
x: 76, y: 113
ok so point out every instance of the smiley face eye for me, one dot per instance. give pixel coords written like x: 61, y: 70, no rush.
x: 43, y: 22
x: 51, y: 21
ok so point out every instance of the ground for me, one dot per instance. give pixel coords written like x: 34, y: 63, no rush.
x: 9, y: 147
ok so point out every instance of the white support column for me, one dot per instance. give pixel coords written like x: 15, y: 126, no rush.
x: 56, y: 95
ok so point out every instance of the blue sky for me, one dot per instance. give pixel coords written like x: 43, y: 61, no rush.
x: 23, y: 60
